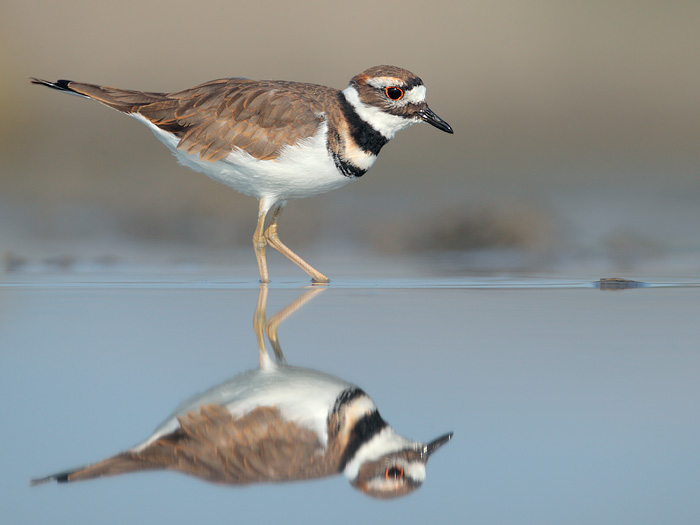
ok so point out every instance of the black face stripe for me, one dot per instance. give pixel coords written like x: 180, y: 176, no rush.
x: 413, y: 83
x: 365, y: 429
x: 364, y: 135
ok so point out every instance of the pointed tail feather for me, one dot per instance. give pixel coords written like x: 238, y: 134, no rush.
x: 119, y: 464
x: 60, y: 85
x: 124, y: 100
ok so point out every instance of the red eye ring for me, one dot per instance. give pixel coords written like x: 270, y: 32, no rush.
x: 393, y: 92
x: 393, y: 472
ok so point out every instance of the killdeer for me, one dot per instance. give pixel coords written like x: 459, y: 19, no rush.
x: 276, y: 140
x: 277, y: 423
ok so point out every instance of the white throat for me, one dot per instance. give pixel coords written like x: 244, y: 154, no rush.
x: 386, y: 442
x: 385, y: 123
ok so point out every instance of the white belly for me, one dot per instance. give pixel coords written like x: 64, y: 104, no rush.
x: 302, y: 395
x: 302, y: 170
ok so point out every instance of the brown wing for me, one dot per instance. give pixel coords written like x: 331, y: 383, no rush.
x: 217, y: 447
x: 259, y: 117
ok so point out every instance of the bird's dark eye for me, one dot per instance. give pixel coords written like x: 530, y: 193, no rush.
x: 394, y: 472
x: 393, y: 92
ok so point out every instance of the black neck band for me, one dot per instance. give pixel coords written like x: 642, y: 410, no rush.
x: 364, y: 135
x: 364, y: 430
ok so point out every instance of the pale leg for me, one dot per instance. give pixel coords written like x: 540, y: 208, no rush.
x: 259, y: 242
x: 277, y: 319
x: 259, y: 322
x: 274, y: 241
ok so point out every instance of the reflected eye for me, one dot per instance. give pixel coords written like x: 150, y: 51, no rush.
x: 393, y: 92
x: 393, y: 473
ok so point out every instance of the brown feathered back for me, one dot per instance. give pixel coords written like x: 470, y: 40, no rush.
x: 258, y: 117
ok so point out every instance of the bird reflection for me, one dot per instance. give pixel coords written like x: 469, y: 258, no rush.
x: 277, y: 423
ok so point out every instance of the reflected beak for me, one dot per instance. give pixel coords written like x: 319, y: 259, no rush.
x: 429, y: 116
x: 435, y: 444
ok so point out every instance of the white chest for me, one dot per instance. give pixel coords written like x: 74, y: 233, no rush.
x: 301, y: 170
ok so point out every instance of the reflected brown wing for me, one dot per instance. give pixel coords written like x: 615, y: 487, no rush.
x: 213, y: 445
x: 257, y: 117
x: 259, y: 446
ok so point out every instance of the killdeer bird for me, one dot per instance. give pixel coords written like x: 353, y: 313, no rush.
x: 277, y: 423
x: 276, y: 140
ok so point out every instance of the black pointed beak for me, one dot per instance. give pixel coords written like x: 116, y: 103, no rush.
x: 429, y: 116
x: 434, y: 445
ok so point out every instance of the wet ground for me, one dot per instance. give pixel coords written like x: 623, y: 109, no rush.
x: 569, y: 403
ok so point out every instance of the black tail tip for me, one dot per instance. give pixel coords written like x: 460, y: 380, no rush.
x: 60, y: 478
x: 62, y: 85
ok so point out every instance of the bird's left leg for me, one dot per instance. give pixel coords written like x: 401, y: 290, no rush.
x: 259, y: 323
x: 259, y: 241
x: 274, y: 241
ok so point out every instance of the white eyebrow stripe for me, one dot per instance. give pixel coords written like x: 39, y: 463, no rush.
x: 416, y: 471
x: 382, y: 82
x: 415, y: 95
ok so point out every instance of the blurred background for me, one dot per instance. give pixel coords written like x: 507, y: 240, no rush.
x: 575, y: 156
x: 576, y: 131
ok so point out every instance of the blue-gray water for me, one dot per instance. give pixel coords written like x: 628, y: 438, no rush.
x: 569, y: 404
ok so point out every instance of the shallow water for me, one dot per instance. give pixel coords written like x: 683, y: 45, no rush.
x: 569, y: 404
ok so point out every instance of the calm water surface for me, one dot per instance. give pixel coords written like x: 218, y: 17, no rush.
x: 569, y: 404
